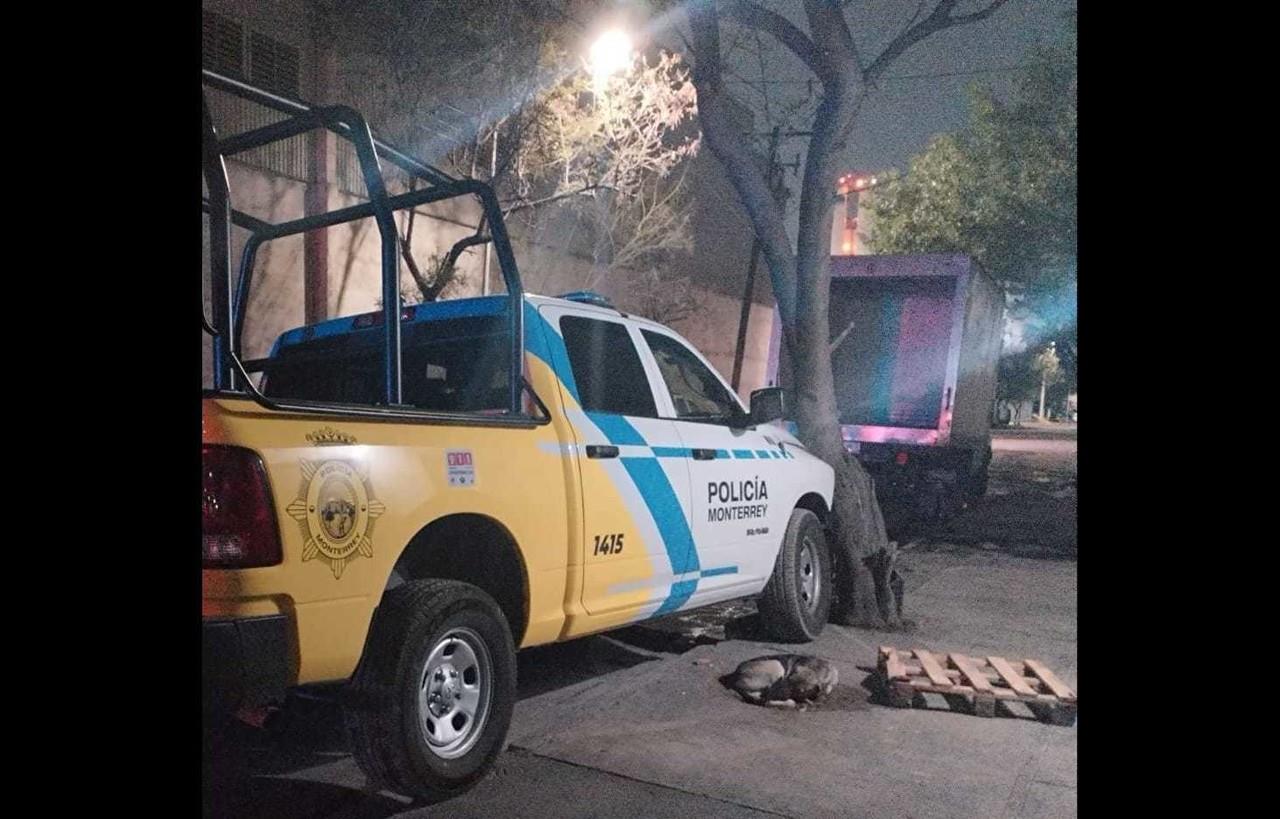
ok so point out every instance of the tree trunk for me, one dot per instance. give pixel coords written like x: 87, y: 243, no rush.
x: 863, y: 558
x: 868, y: 590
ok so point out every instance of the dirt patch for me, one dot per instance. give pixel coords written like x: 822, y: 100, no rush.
x: 845, y: 697
x: 1029, y: 509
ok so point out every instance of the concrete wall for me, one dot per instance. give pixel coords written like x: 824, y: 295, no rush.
x: 714, y: 331
x: 354, y: 260
x: 717, y: 267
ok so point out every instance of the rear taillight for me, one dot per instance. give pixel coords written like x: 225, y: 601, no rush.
x: 240, y: 529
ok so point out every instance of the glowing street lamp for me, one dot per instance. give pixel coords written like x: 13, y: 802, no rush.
x: 609, y: 55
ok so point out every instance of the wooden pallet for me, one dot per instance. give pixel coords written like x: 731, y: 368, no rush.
x: 907, y: 675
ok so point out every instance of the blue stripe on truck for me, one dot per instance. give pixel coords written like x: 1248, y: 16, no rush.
x: 543, y: 341
x: 672, y: 452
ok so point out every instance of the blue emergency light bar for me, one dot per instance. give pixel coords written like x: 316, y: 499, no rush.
x: 588, y: 297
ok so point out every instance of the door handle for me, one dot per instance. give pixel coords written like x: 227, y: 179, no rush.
x: 598, y: 451
x: 704, y: 454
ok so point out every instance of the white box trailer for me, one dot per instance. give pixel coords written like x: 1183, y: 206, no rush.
x: 915, y: 345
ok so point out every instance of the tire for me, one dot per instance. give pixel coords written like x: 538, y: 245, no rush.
x: 797, y: 600
x: 930, y: 503
x: 980, y: 478
x: 433, y: 644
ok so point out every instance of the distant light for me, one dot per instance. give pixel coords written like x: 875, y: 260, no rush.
x: 873, y: 180
x: 609, y: 54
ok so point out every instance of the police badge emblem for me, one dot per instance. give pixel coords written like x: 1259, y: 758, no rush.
x: 336, y: 511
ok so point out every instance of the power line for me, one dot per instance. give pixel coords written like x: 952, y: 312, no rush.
x: 999, y: 70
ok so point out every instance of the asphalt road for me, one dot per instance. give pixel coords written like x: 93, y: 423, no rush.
x: 635, y: 723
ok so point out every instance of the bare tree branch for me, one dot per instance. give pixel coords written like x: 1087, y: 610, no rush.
x: 940, y: 18
x: 916, y: 15
x: 843, y: 335
x: 833, y: 39
x: 977, y: 15
x: 752, y: 15
x: 519, y: 206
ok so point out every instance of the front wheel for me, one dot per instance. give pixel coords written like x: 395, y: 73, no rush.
x: 797, y: 599
x: 433, y: 696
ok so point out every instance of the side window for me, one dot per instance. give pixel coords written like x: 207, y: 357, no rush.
x: 697, y: 394
x: 607, y: 367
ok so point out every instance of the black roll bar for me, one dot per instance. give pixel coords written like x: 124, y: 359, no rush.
x: 294, y: 108
x: 229, y: 309
x: 219, y: 199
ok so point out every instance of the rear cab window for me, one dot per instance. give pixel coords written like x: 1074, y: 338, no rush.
x: 453, y: 365
x: 607, y: 368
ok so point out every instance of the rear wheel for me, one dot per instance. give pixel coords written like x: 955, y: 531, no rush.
x: 797, y: 600
x: 433, y: 697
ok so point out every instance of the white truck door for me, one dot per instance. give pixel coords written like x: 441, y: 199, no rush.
x: 639, y: 558
x: 734, y: 472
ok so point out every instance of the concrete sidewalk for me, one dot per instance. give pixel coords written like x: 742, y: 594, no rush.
x: 1037, y: 429
x: 671, y: 722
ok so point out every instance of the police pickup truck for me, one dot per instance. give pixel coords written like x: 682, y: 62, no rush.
x: 406, y: 497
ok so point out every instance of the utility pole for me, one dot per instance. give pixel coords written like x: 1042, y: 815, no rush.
x: 1044, y: 380
x: 488, y: 247
x: 749, y: 290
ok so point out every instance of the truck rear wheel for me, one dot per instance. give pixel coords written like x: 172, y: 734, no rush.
x: 432, y: 699
x: 797, y: 599
x: 980, y: 477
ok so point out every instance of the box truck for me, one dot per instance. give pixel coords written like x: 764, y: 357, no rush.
x: 915, y: 340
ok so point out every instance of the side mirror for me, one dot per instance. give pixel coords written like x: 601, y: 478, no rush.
x: 767, y: 405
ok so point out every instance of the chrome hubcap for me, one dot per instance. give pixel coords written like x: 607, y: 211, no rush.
x: 453, y: 698
x: 810, y: 582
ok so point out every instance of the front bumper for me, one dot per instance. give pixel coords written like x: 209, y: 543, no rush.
x: 246, y: 661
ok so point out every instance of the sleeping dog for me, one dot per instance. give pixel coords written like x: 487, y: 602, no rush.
x: 787, y: 680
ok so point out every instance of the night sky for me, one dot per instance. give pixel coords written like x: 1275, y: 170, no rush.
x: 906, y: 112
x: 908, y: 109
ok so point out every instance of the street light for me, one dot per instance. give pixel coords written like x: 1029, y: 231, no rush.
x: 609, y: 54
